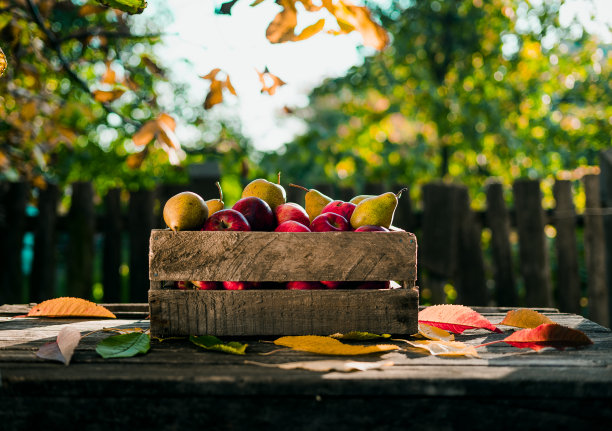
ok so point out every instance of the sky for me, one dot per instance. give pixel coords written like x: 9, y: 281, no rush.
x: 237, y: 45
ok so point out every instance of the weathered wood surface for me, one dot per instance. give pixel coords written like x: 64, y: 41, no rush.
x: 282, y: 312
x: 182, y: 386
x: 282, y: 256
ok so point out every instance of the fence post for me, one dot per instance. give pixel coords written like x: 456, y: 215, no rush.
x: 595, y: 252
x: 140, y: 223
x: 111, y: 257
x: 14, y: 197
x: 42, y: 278
x: 81, y: 230
x: 533, y: 251
x: 605, y: 181
x: 568, y: 277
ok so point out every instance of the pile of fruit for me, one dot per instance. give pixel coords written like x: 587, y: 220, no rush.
x: 264, y: 207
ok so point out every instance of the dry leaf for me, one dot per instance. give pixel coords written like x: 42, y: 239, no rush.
x: 69, y: 307
x: 62, y: 348
x: 3, y: 62
x: 351, y: 17
x: 454, y: 318
x: 107, y: 96
x: 310, y: 31
x: 152, y: 66
x: 146, y: 133
x: 328, y: 365
x: 436, y: 334
x: 445, y: 348
x: 282, y: 27
x: 525, y: 318
x: 269, y: 82
x: 330, y: 346
x: 548, y: 335
x: 162, y: 128
x: 109, y: 77
x: 215, y: 93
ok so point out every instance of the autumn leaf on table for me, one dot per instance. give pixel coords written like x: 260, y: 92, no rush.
x: 2, y: 62
x: 210, y: 342
x: 330, y: 346
x: 548, y: 335
x: 124, y: 345
x: 359, y: 336
x: 269, y: 82
x: 454, y: 318
x: 69, y: 307
x: 215, y: 93
x: 62, y: 348
x: 328, y: 365
x: 433, y: 333
x: 445, y: 348
x: 525, y: 318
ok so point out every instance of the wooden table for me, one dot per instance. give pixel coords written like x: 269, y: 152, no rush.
x: 179, y: 386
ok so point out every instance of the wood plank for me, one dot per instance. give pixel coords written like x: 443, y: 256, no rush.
x: 595, y: 252
x: 140, y: 222
x: 282, y: 256
x: 111, y: 257
x: 13, y: 205
x: 498, y: 220
x: 282, y: 312
x: 43, y: 276
x: 81, y: 231
x: 533, y: 250
x: 605, y: 182
x: 568, y: 277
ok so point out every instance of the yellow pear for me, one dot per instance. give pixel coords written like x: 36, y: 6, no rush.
x: 215, y: 205
x: 273, y: 194
x: 314, y: 201
x: 185, y: 211
x: 359, y: 198
x: 376, y: 211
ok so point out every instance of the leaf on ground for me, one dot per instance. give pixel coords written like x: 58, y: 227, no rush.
x: 130, y: 6
x: 436, y: 334
x: 359, y: 336
x: 124, y: 345
x: 328, y: 365
x: 269, y: 82
x: 3, y: 62
x: 62, y: 348
x: 548, y: 335
x: 69, y: 307
x: 454, y: 318
x: 445, y: 348
x: 210, y: 342
x: 330, y: 346
x: 525, y: 318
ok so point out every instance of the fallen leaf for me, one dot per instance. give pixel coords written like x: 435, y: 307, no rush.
x: 330, y: 346
x: 210, y: 342
x: 124, y: 345
x: 436, y: 334
x: 548, y: 335
x: 107, y: 96
x: 269, y: 82
x: 525, y: 318
x: 357, y: 335
x: 445, y: 348
x: 454, y: 318
x: 62, y: 348
x: 328, y: 365
x: 69, y: 307
x: 3, y: 62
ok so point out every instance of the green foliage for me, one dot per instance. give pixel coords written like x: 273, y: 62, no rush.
x: 210, y: 342
x: 124, y: 345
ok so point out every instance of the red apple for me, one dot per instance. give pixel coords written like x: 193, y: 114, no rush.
x: 371, y: 228
x: 239, y: 285
x: 340, y: 284
x: 291, y: 211
x: 257, y: 212
x: 227, y: 220
x: 374, y: 285
x: 206, y: 285
x: 345, y: 209
x: 329, y: 222
x: 182, y: 285
x: 304, y: 285
x: 291, y: 226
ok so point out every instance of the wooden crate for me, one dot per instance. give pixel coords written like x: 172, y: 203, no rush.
x: 278, y: 257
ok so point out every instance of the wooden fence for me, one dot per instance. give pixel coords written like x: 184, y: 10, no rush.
x: 515, y: 263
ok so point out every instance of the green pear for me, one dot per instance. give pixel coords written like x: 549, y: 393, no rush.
x: 359, y: 198
x: 376, y: 211
x: 185, y: 211
x: 273, y: 194
x: 314, y: 201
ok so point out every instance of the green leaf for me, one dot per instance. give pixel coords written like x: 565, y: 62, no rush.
x: 124, y: 345
x: 129, y: 6
x: 210, y: 342
x: 357, y: 335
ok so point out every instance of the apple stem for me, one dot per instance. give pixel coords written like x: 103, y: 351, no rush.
x: 220, y: 191
x: 399, y: 194
x: 299, y: 187
x: 278, y: 181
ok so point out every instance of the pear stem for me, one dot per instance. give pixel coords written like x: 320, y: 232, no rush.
x: 278, y: 178
x: 399, y: 194
x: 220, y: 191
x: 299, y: 187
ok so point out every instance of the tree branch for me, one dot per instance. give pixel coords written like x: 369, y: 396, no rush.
x: 56, y: 45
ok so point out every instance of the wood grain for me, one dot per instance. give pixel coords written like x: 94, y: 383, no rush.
x: 282, y: 256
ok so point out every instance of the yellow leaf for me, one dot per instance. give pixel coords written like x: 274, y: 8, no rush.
x: 146, y: 133
x: 215, y: 94
x: 134, y: 161
x: 107, y: 96
x: 282, y: 27
x: 3, y: 62
x: 211, y: 75
x: 310, y: 6
x: 269, y: 82
x: 229, y: 86
x: 28, y: 111
x: 330, y: 346
x: 358, y: 17
x: 311, y: 30
x: 445, y: 348
x: 436, y: 334
x: 69, y: 307
x: 109, y: 77
x: 525, y: 318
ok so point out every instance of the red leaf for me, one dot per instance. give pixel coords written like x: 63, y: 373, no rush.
x: 548, y: 335
x: 454, y: 318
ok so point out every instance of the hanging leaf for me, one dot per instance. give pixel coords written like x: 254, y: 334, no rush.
x: 215, y: 92
x: 436, y: 334
x: 525, y: 318
x: 124, y: 345
x: 210, y: 342
x: 358, y: 18
x: 69, y: 307
x: 130, y: 6
x: 161, y: 129
x: 269, y: 82
x: 310, y: 31
x: 454, y: 318
x: 282, y: 27
x: 330, y: 346
x: 445, y: 348
x: 548, y: 335
x: 110, y: 76
x: 107, y: 96
x: 89, y: 9
x: 226, y: 8
x: 328, y: 365
x: 3, y: 62
x: 359, y: 336
x: 62, y: 348
x: 152, y: 66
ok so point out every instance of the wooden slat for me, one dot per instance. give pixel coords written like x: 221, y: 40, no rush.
x: 111, y: 257
x: 13, y: 205
x: 595, y: 252
x: 568, y: 277
x: 533, y: 250
x: 605, y: 182
x: 81, y: 230
x: 498, y: 221
x: 282, y: 312
x: 140, y: 223
x: 43, y: 276
x: 282, y: 256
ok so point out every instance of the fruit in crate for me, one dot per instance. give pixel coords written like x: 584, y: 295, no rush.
x: 257, y: 212
x: 371, y: 228
x: 215, y: 205
x: 230, y: 220
x: 329, y: 222
x: 374, y: 285
x: 206, y: 285
x: 273, y: 194
x: 314, y: 201
x: 240, y: 285
x: 359, y: 198
x: 345, y: 209
x: 304, y: 285
x: 291, y: 211
x: 376, y: 211
x: 185, y: 211
x: 291, y: 226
